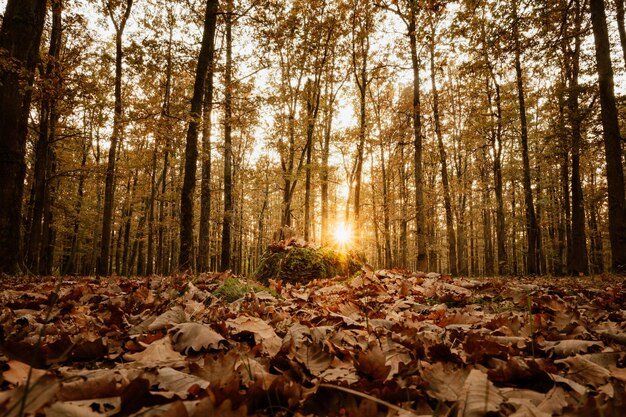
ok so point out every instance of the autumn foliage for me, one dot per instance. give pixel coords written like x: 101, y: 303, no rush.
x: 384, y: 343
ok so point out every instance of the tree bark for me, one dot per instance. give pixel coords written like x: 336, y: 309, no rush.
x: 185, y: 256
x: 443, y: 160
x: 20, y: 37
x: 531, y: 220
x: 42, y: 149
x: 612, y: 139
x: 109, y: 188
x: 619, y: 4
x: 228, y: 145
x: 204, y: 248
x: 579, y: 262
x: 422, y: 258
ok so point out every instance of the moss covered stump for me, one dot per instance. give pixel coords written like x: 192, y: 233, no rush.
x: 295, y: 261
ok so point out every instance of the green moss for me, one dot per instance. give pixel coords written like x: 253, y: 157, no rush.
x: 233, y: 289
x: 304, y: 263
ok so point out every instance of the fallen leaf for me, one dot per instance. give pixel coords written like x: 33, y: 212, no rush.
x: 479, y: 396
x: 196, y: 337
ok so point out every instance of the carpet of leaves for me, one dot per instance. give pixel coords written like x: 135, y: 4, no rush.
x: 379, y: 344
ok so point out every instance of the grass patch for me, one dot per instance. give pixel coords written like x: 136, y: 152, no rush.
x: 234, y: 288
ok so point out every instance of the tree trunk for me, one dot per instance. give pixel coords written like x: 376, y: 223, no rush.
x: 443, y: 160
x: 531, y: 220
x: 619, y: 4
x: 580, y: 264
x: 164, y: 136
x: 422, y: 258
x: 109, y: 188
x: 612, y: 139
x: 204, y: 248
x: 228, y: 145
x: 20, y: 36
x: 42, y: 150
x: 497, y: 177
x: 185, y: 257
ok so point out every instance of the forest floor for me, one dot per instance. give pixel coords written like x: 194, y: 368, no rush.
x: 378, y: 344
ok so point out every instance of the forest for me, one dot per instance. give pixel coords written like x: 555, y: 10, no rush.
x: 294, y: 208
x: 475, y: 138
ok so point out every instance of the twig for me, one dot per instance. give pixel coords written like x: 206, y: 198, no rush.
x: 369, y: 397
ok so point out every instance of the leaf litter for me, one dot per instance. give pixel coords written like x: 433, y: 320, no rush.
x: 384, y: 343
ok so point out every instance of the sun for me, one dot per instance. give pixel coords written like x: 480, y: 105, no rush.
x: 342, y: 234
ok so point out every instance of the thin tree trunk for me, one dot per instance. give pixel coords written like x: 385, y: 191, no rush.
x: 109, y: 189
x: 612, y: 139
x: 619, y: 4
x: 204, y: 248
x: 42, y: 151
x: 497, y: 177
x: 164, y: 135
x: 531, y: 221
x: 185, y: 258
x: 422, y: 258
x: 228, y: 145
x: 443, y: 160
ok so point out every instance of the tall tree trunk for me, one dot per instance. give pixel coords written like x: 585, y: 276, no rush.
x: 422, y: 258
x: 612, y: 139
x: 619, y: 4
x: 205, y: 193
x: 580, y: 264
x: 109, y: 188
x: 164, y: 135
x: 153, y: 191
x: 531, y: 220
x: 597, y: 256
x: 488, y: 242
x: 185, y: 256
x: 20, y: 36
x: 70, y: 267
x: 496, y: 146
x: 362, y: 81
x: 443, y: 160
x: 42, y: 149
x: 325, y: 175
x: 228, y: 144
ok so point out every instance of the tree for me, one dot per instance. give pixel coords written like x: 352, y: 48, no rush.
x: 611, y: 136
x: 452, y: 261
x: 205, y: 60
x: 119, y: 23
x: 228, y: 142
x: 36, y: 250
x: 20, y: 38
x: 531, y: 220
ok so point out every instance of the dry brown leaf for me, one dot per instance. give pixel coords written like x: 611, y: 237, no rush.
x: 572, y: 346
x: 64, y: 409
x: 96, y: 384
x: 584, y: 371
x: 179, y: 382
x: 17, y: 374
x: 479, y: 396
x: 196, y: 337
x: 444, y: 382
x: 207, y: 407
x: 314, y: 358
x: 160, y: 352
x: 39, y: 393
x: 171, y: 317
x: 372, y: 363
x: 218, y: 369
x: 263, y: 333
